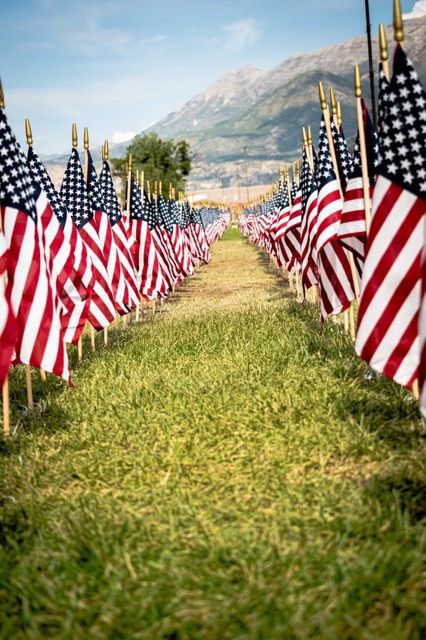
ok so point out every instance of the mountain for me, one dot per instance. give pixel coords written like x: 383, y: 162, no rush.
x: 249, y: 120
x: 220, y: 101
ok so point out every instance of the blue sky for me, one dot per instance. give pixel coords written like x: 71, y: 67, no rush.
x: 118, y: 66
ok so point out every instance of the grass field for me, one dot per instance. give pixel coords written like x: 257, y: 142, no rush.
x: 223, y: 471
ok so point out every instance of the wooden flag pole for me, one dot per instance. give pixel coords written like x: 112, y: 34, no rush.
x: 398, y: 25
x: 105, y: 157
x: 6, y: 407
x: 339, y: 114
x: 384, y: 55
x: 29, y: 385
x: 28, y: 381
x: 339, y: 124
x: 326, y: 115
x: 29, y: 137
x: 314, y: 290
x: 311, y: 148
x: 148, y: 189
x: 74, y: 143
x: 306, y: 148
x: 333, y: 105
x: 5, y: 387
x: 86, y: 173
x: 129, y: 187
x: 296, y: 175
x: 363, y: 148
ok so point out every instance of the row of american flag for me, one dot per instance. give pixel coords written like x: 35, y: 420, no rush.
x: 72, y: 258
x: 318, y: 226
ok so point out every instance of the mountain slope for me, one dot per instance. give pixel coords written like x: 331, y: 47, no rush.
x: 241, y: 126
x: 240, y: 90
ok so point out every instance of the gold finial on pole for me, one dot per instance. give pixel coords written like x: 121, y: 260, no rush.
x: 339, y: 114
x: 28, y: 132
x: 1, y: 96
x: 309, y: 136
x: 333, y: 102
x: 105, y: 151
x: 129, y: 186
x: 321, y: 93
x: 384, y: 53
x: 398, y: 26
x: 86, y: 139
x: 305, y: 137
x: 74, y: 136
x: 383, y: 44
x: 357, y: 82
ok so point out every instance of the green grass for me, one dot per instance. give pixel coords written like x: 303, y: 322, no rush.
x: 223, y: 470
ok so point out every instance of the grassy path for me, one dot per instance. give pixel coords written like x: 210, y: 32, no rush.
x: 221, y: 472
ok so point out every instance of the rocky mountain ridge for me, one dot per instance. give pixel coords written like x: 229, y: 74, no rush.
x: 247, y: 121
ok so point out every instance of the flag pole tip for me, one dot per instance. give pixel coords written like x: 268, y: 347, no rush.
x: 105, y: 150
x: 86, y: 139
x: 74, y: 136
x: 398, y: 25
x: 1, y: 95
x: 339, y: 113
x: 357, y: 82
x: 383, y: 44
x: 28, y: 132
x: 333, y: 102
x: 321, y: 93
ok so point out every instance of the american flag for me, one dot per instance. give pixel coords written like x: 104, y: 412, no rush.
x: 122, y: 237
x: 335, y: 276
x: 166, y: 225
x: 309, y: 192
x: 149, y: 264
x: 178, y: 241
x: 185, y: 226
x: 39, y: 338
x: 67, y: 257
x: 162, y: 242
x: 352, y: 231
x: 343, y: 155
x: 198, y: 233
x: 75, y: 195
x: 278, y: 227
x: 292, y: 237
x: 124, y: 302
x: 388, y: 333
x: 422, y: 333
x: 8, y: 326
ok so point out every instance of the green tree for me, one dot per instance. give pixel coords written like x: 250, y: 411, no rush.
x: 165, y: 161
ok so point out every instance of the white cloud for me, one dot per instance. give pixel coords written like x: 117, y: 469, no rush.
x: 154, y: 39
x: 240, y: 34
x: 122, y: 136
x: 417, y: 11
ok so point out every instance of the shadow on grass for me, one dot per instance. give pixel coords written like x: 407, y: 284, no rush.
x: 400, y: 489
